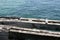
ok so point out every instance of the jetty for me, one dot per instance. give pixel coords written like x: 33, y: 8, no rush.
x: 31, y: 26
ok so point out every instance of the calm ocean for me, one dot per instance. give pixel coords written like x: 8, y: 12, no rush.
x: 49, y: 9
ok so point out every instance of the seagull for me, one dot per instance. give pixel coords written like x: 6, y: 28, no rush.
x: 46, y: 21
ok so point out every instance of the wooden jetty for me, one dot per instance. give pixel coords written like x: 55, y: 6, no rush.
x: 32, y: 26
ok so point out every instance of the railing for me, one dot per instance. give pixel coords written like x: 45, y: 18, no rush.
x: 30, y: 20
x: 35, y: 31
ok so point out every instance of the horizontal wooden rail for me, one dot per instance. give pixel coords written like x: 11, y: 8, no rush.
x: 35, y: 31
x: 31, y: 20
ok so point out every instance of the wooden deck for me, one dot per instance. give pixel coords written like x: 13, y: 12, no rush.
x: 34, y: 31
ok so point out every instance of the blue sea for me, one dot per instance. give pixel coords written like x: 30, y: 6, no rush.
x: 49, y: 9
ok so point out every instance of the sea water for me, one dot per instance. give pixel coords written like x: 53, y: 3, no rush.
x: 49, y: 9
